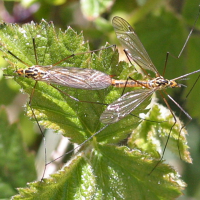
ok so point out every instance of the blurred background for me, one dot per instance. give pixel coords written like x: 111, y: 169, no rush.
x: 162, y: 26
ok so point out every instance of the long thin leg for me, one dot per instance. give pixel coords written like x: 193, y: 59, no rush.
x: 72, y: 55
x: 164, y: 99
x: 188, y: 116
x: 43, y: 136
x: 80, y: 145
x: 184, y: 45
x: 175, y: 120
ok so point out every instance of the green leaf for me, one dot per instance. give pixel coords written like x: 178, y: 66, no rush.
x: 15, y: 162
x: 109, y: 172
x: 151, y: 136
x: 99, y: 162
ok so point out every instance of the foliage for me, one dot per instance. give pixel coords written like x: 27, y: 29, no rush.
x: 16, y: 163
x: 79, y: 120
x: 104, y: 166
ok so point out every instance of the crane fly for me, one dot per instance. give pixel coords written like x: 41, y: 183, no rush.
x: 128, y: 102
x: 136, y: 52
x: 131, y: 100
x: 73, y: 77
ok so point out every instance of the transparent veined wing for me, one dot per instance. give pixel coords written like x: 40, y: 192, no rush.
x: 81, y: 78
x: 125, y: 105
x: 132, y: 44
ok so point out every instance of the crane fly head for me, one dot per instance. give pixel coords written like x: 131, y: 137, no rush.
x: 173, y: 84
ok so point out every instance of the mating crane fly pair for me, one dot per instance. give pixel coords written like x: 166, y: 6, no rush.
x: 91, y: 79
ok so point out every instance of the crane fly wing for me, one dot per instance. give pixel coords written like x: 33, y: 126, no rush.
x: 81, y: 78
x: 124, y: 105
x: 130, y: 41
